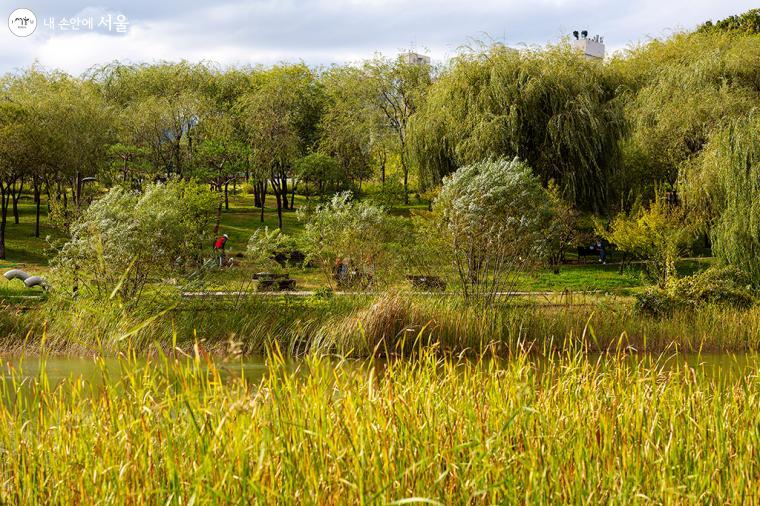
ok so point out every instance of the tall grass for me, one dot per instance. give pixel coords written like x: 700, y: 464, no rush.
x: 432, y: 429
x: 365, y: 325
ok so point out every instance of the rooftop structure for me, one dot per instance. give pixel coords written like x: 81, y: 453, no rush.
x: 413, y: 58
x: 593, y: 47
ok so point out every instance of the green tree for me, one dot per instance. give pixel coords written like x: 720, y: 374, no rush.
x: 679, y: 92
x: 280, y: 116
x: 350, y: 124
x: 551, y: 107
x: 359, y: 237
x: 397, y: 89
x: 319, y: 170
x: 723, y: 186
x: 163, y: 103
x: 126, y: 239
x: 659, y: 235
x: 747, y: 22
x: 494, y: 216
x: 219, y: 158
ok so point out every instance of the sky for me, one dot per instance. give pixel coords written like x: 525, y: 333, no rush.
x: 322, y: 32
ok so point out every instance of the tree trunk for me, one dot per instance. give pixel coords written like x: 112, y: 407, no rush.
x: 382, y: 168
x: 14, y: 199
x: 278, y: 196
x: 284, y: 190
x: 4, y: 196
x: 405, y: 168
x: 226, y: 195
x: 177, y: 168
x: 37, y: 200
x: 263, y: 199
x: 218, y: 221
x: 16, y: 196
x: 406, y: 184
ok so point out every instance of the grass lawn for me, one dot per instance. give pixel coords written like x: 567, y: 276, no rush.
x: 25, y: 251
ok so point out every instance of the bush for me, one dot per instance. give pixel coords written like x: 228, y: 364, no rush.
x: 361, y: 237
x: 658, y: 235
x: 656, y: 302
x: 496, y: 218
x: 126, y: 239
x: 717, y: 285
x: 725, y: 286
x: 263, y: 247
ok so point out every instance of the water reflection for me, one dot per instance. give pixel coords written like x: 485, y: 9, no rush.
x: 64, y: 370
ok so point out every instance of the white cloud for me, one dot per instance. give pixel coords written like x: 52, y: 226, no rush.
x: 326, y: 31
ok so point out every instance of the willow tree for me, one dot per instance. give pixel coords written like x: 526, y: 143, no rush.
x: 61, y: 138
x: 349, y: 125
x: 679, y: 91
x: 725, y: 185
x: 13, y: 151
x: 552, y: 108
x: 161, y: 103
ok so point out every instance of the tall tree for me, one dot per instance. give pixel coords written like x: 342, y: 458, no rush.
x: 281, y: 114
x: 397, y: 88
x: 551, y: 107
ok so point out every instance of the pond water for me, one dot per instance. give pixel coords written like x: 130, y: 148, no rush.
x: 713, y: 367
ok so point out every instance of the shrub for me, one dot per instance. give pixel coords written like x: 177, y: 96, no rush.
x: 658, y: 234
x: 656, y: 302
x: 717, y: 285
x: 126, y: 239
x: 361, y: 236
x: 495, y: 216
x: 263, y: 247
x: 725, y: 286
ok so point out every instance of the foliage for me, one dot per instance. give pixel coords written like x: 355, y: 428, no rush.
x: 562, y: 230
x: 679, y: 91
x: 426, y: 251
x: 320, y: 171
x: 658, y: 234
x: 397, y: 89
x: 262, y: 248
x: 747, y: 22
x: 358, y: 233
x: 125, y: 239
x: 726, y: 286
x: 389, y: 194
x: 495, y: 216
x: 350, y: 125
x: 552, y: 108
x: 724, y: 186
x: 280, y: 114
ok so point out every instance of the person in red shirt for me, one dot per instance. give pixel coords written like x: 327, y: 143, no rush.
x: 219, y: 248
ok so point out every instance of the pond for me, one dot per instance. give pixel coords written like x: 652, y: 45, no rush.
x: 63, y: 370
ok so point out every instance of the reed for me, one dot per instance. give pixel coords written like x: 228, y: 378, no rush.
x: 435, y: 429
x: 363, y: 325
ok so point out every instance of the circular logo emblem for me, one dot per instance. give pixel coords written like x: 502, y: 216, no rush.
x: 22, y: 22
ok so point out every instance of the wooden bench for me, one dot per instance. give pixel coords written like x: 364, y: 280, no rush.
x: 427, y: 283
x: 270, y: 282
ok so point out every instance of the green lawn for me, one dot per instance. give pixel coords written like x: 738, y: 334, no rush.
x: 242, y: 219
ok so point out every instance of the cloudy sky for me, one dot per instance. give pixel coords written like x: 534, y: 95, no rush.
x: 325, y: 31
